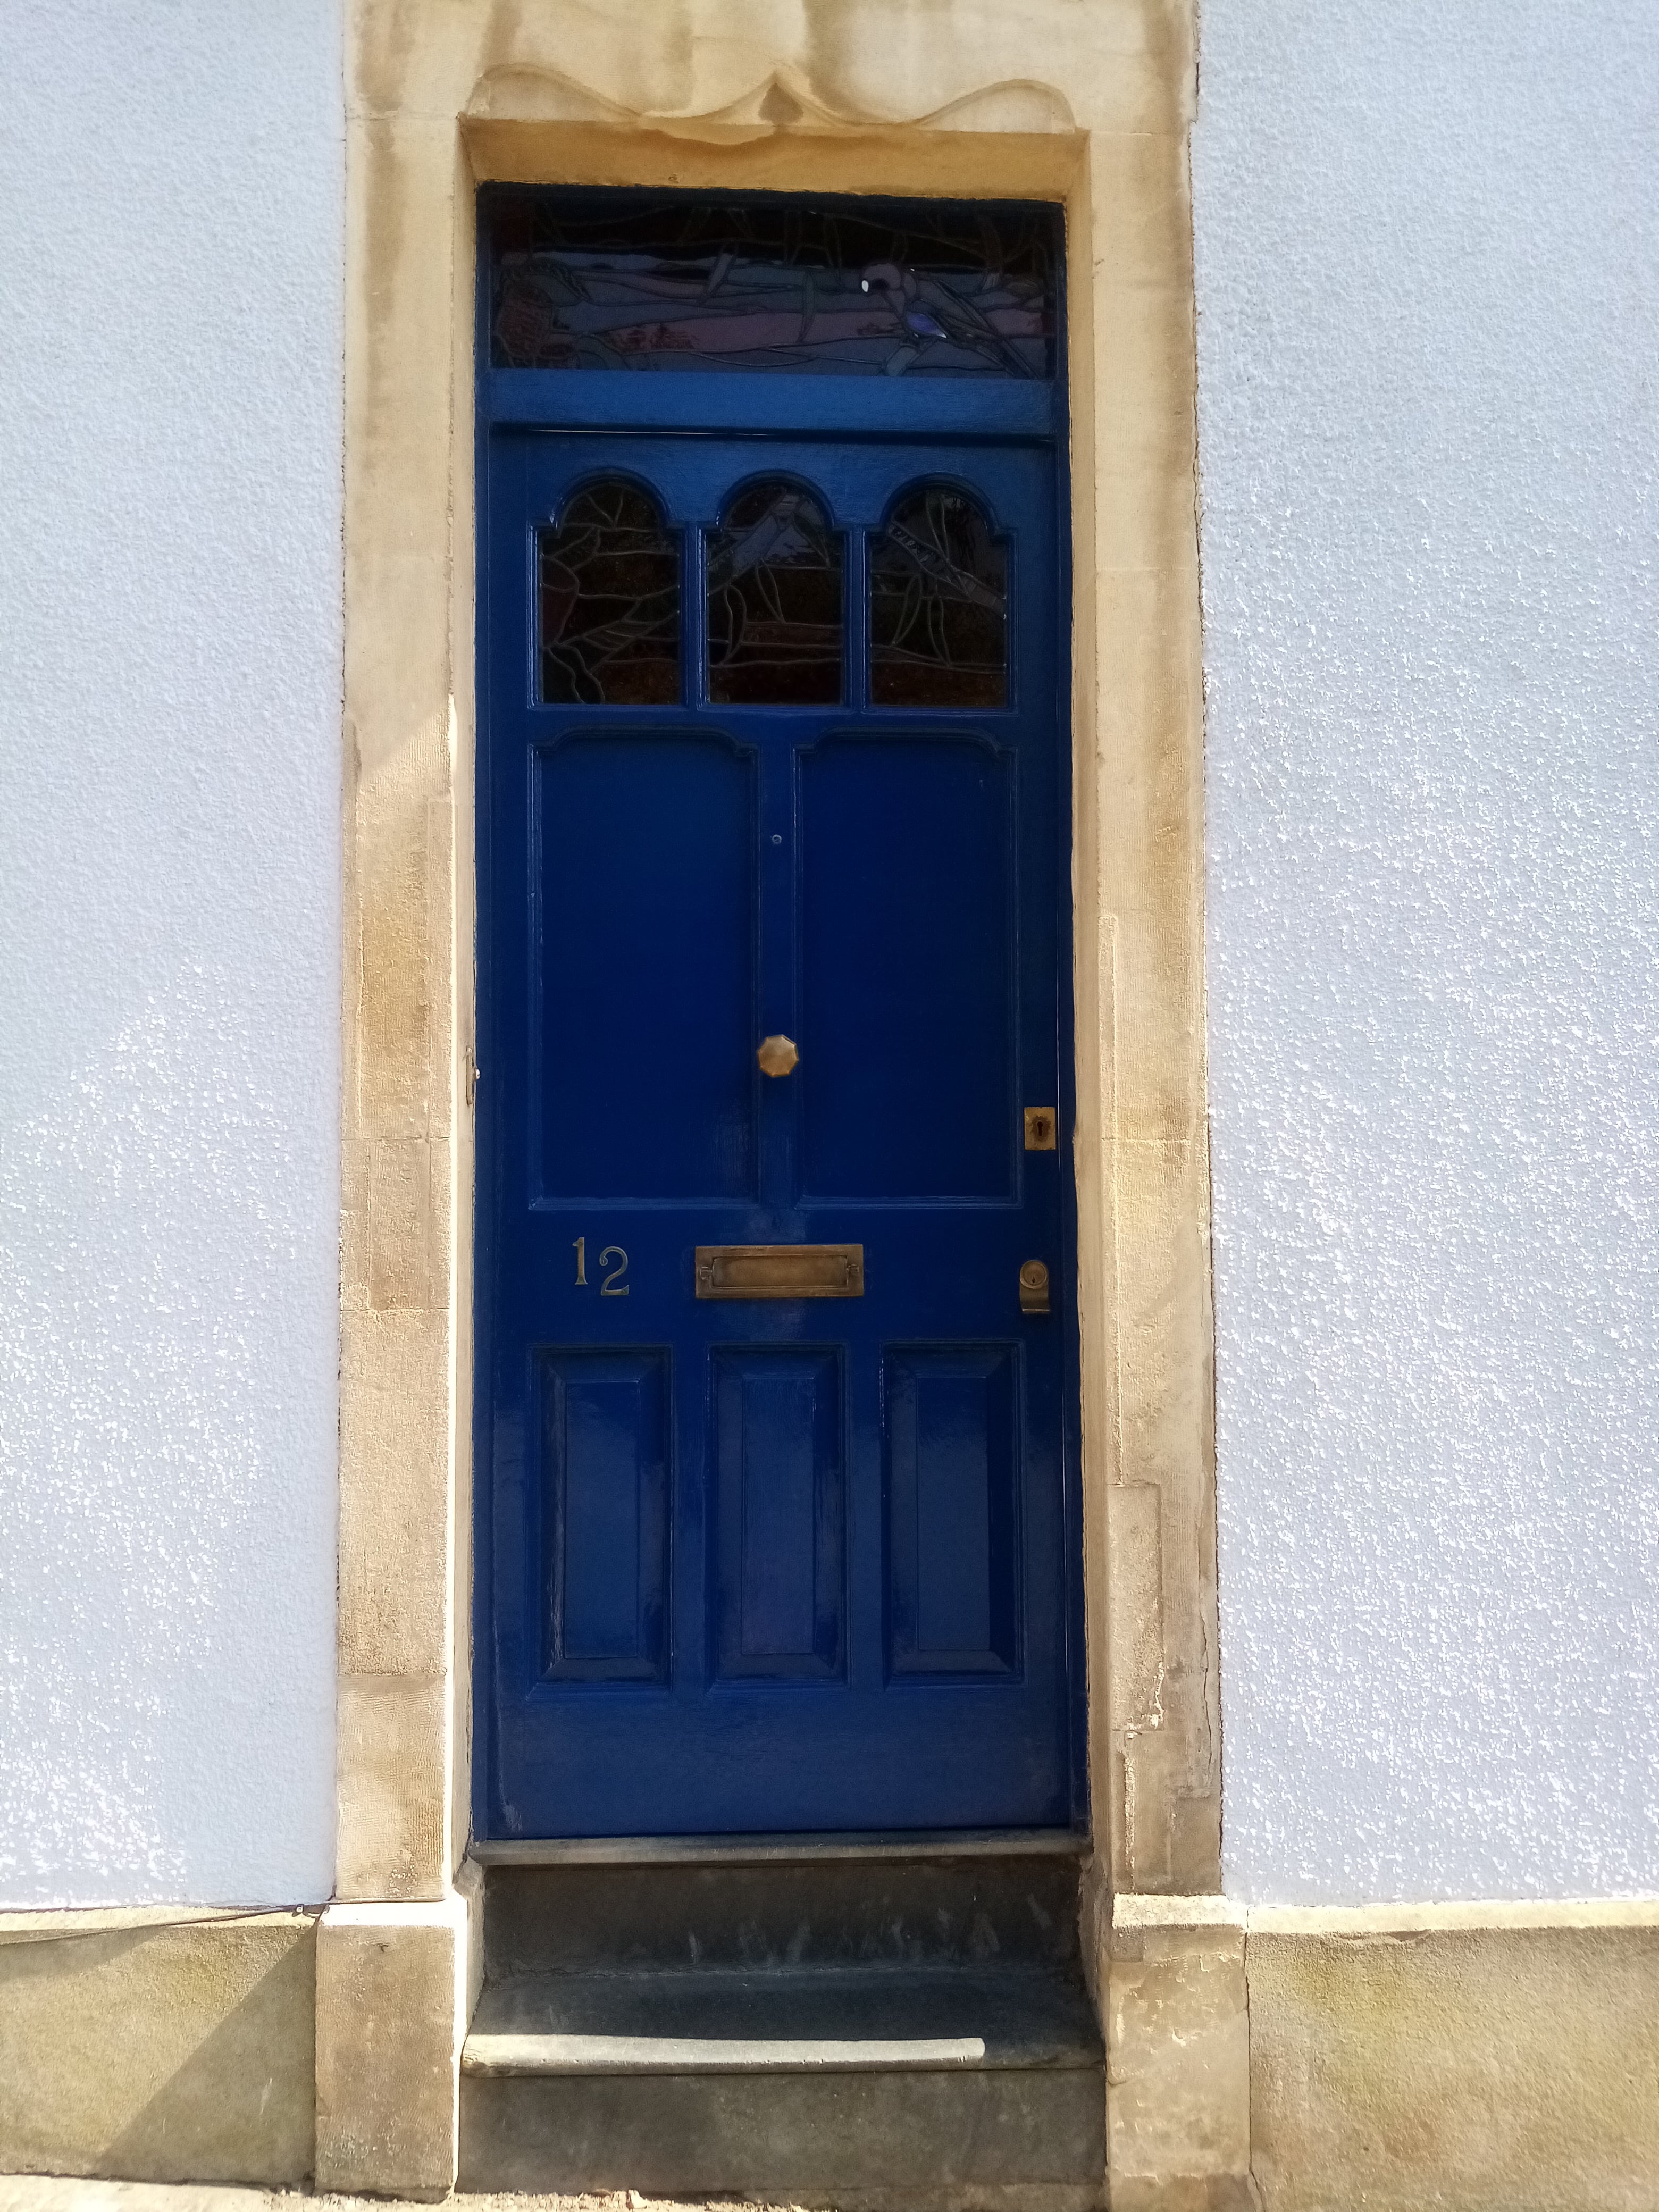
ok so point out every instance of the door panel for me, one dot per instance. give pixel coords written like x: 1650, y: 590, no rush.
x: 645, y: 964
x: 780, y: 1513
x: 953, y: 1504
x: 785, y: 1564
x: 604, y: 1460
x: 907, y: 965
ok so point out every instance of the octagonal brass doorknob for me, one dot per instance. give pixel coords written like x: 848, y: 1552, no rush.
x: 777, y: 1055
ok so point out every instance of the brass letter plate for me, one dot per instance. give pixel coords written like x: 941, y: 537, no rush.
x: 780, y: 1270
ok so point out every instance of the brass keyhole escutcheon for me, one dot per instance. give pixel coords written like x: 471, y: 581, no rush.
x: 1034, y: 1287
x: 777, y: 1055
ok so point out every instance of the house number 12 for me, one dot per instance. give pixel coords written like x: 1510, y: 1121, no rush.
x: 613, y: 1285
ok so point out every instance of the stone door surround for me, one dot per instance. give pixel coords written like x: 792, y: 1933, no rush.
x: 1085, y: 104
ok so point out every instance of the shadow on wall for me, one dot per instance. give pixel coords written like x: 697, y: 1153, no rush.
x: 184, y: 2051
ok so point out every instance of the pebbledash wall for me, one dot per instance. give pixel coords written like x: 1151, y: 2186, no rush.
x: 171, y: 266
x: 1428, y: 436
x: 1426, y: 325
x: 1427, y: 274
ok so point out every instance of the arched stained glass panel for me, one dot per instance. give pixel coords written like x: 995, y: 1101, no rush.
x: 938, y: 605
x: 775, y: 602
x: 609, y: 592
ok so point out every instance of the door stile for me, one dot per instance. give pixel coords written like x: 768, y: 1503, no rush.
x: 776, y: 1014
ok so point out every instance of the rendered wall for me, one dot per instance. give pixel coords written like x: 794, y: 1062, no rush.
x: 1426, y: 243
x: 170, y: 670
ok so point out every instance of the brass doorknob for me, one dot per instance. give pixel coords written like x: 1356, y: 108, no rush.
x: 777, y: 1055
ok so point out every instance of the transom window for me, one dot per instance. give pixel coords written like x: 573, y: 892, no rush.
x: 841, y: 287
x: 933, y: 627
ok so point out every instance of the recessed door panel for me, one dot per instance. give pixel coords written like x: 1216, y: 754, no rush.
x: 645, y: 967
x: 954, y: 1567
x: 908, y: 967
x: 780, y: 1513
x: 605, y: 1471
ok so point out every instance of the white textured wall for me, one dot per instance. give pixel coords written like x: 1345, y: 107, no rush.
x: 1428, y: 240
x: 170, y: 426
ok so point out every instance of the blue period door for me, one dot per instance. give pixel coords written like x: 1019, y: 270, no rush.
x: 776, y: 1335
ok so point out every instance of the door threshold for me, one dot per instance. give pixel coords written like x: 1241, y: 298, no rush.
x: 690, y: 1850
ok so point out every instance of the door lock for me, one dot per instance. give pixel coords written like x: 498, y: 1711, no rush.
x: 1034, y: 1287
x: 1040, y: 1128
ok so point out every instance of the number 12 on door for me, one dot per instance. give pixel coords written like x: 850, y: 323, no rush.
x: 612, y: 1285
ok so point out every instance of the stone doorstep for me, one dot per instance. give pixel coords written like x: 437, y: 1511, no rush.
x: 783, y: 1910
x: 53, y: 2193
x: 910, y: 2032
x: 809, y: 2019
x: 60, y: 2193
x: 879, y: 2090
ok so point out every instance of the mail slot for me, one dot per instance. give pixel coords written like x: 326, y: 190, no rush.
x: 780, y: 1270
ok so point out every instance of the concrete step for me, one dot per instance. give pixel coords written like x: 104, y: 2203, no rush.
x: 775, y: 1909
x: 877, y: 2034
x: 793, y: 2020
x: 860, y: 2087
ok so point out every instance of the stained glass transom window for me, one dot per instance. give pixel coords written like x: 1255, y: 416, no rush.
x: 851, y: 288
x: 775, y: 601
x: 938, y: 605
x: 609, y: 586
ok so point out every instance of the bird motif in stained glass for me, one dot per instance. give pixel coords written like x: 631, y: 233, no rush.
x: 869, y: 289
x: 775, y: 601
x: 939, y: 604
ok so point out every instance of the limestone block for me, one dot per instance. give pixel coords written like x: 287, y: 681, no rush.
x: 1125, y: 65
x: 400, y: 239
x: 406, y: 1184
x: 1134, y: 1565
x: 392, y: 1748
x: 1163, y: 1785
x: 400, y: 865
x: 1479, y: 2068
x: 150, y: 2046
x: 1177, y: 2057
x: 393, y: 1616
x: 394, y: 1986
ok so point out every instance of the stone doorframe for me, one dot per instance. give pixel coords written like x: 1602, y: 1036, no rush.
x: 1083, y: 102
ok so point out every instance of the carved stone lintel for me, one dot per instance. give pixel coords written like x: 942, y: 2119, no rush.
x: 781, y: 100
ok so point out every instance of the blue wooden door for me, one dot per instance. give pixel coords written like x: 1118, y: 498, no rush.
x: 776, y: 1339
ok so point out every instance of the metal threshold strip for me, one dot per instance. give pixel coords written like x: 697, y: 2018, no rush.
x: 499, y: 2054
